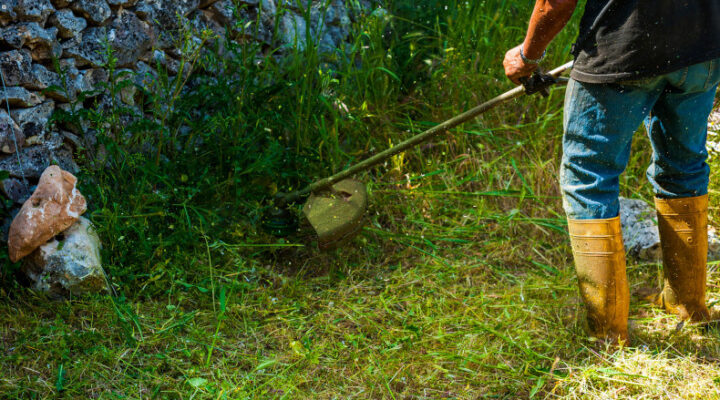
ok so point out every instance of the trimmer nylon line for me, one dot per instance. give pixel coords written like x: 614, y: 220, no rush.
x: 413, y: 141
x: 17, y: 148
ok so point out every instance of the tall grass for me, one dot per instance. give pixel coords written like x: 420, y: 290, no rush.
x: 211, y: 149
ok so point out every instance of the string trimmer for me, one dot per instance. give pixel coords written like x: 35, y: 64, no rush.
x: 336, y: 205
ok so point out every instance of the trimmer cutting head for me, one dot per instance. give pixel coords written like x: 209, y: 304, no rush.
x: 337, y: 214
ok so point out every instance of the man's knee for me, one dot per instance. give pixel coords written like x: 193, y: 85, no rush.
x: 588, y: 194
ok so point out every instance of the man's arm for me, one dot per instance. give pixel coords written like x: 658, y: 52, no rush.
x: 548, y: 18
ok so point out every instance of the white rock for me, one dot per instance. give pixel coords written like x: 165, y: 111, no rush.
x: 69, y: 264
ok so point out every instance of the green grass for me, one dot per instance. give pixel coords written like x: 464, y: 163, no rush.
x: 460, y: 285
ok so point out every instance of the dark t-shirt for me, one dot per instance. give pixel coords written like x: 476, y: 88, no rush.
x: 632, y: 39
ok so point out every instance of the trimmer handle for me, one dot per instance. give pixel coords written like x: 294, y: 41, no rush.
x: 538, y: 82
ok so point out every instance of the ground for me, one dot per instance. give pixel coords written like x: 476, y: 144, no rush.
x: 445, y: 294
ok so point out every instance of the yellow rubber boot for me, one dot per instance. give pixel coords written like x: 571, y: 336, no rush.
x: 600, y: 265
x: 684, y: 242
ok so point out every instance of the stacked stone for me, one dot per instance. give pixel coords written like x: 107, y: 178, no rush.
x: 53, y: 50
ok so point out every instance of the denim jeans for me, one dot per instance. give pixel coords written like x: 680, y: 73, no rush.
x: 600, y: 120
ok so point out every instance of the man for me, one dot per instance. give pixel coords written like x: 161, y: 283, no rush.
x: 635, y: 60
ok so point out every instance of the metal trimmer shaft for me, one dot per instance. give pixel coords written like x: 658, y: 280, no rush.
x: 422, y: 137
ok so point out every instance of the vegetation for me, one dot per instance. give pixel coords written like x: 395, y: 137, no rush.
x: 460, y: 285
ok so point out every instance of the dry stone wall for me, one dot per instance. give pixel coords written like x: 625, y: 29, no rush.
x: 53, y: 50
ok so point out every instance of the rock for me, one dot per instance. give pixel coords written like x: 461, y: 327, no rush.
x: 89, y: 49
x: 173, y: 67
x: 267, y: 11
x: 713, y: 244
x: 18, y: 96
x: 16, y: 66
x: 122, y: 3
x: 34, y: 161
x: 243, y: 20
x: 29, y: 34
x: 160, y: 58
x: 34, y: 10
x: 74, y: 140
x: 7, y: 10
x: 42, y: 78
x: 69, y: 264
x: 205, y: 3
x: 41, y: 42
x: 124, y: 77
x: 47, y: 54
x: 9, y: 133
x: 130, y: 38
x: 713, y: 140
x: 50, y: 139
x: 168, y: 14
x: 15, y: 190
x: 145, y: 75
x: 641, y: 235
x: 333, y: 38
x: 61, y: 87
x: 204, y: 20
x: 95, y: 11
x: 54, y: 206
x: 296, y: 5
x: 292, y: 30
x: 640, y: 231
x: 71, y: 120
x: 337, y: 14
x: 330, y: 25
x: 67, y: 23
x: 223, y: 11
x: 62, y: 153
x: 144, y: 10
x: 89, y: 80
x: 61, y: 3
x: 33, y: 121
x: 69, y: 66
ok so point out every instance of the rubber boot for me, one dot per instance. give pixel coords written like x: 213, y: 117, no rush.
x: 684, y: 242
x: 600, y: 265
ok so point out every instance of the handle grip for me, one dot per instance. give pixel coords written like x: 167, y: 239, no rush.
x: 538, y: 82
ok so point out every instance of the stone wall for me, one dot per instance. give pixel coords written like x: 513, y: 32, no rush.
x: 53, y: 50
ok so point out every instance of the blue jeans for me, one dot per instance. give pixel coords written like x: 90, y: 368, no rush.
x: 599, y: 123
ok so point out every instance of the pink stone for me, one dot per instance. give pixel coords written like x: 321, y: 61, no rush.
x: 54, y: 206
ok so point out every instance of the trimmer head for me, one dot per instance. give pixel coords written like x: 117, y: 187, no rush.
x: 336, y: 214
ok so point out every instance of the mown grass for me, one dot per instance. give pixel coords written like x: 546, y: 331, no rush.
x: 459, y: 286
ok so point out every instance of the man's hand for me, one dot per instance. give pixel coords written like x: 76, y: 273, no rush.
x: 515, y: 67
x: 547, y: 19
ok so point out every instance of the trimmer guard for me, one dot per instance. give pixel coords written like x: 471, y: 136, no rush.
x: 336, y: 214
